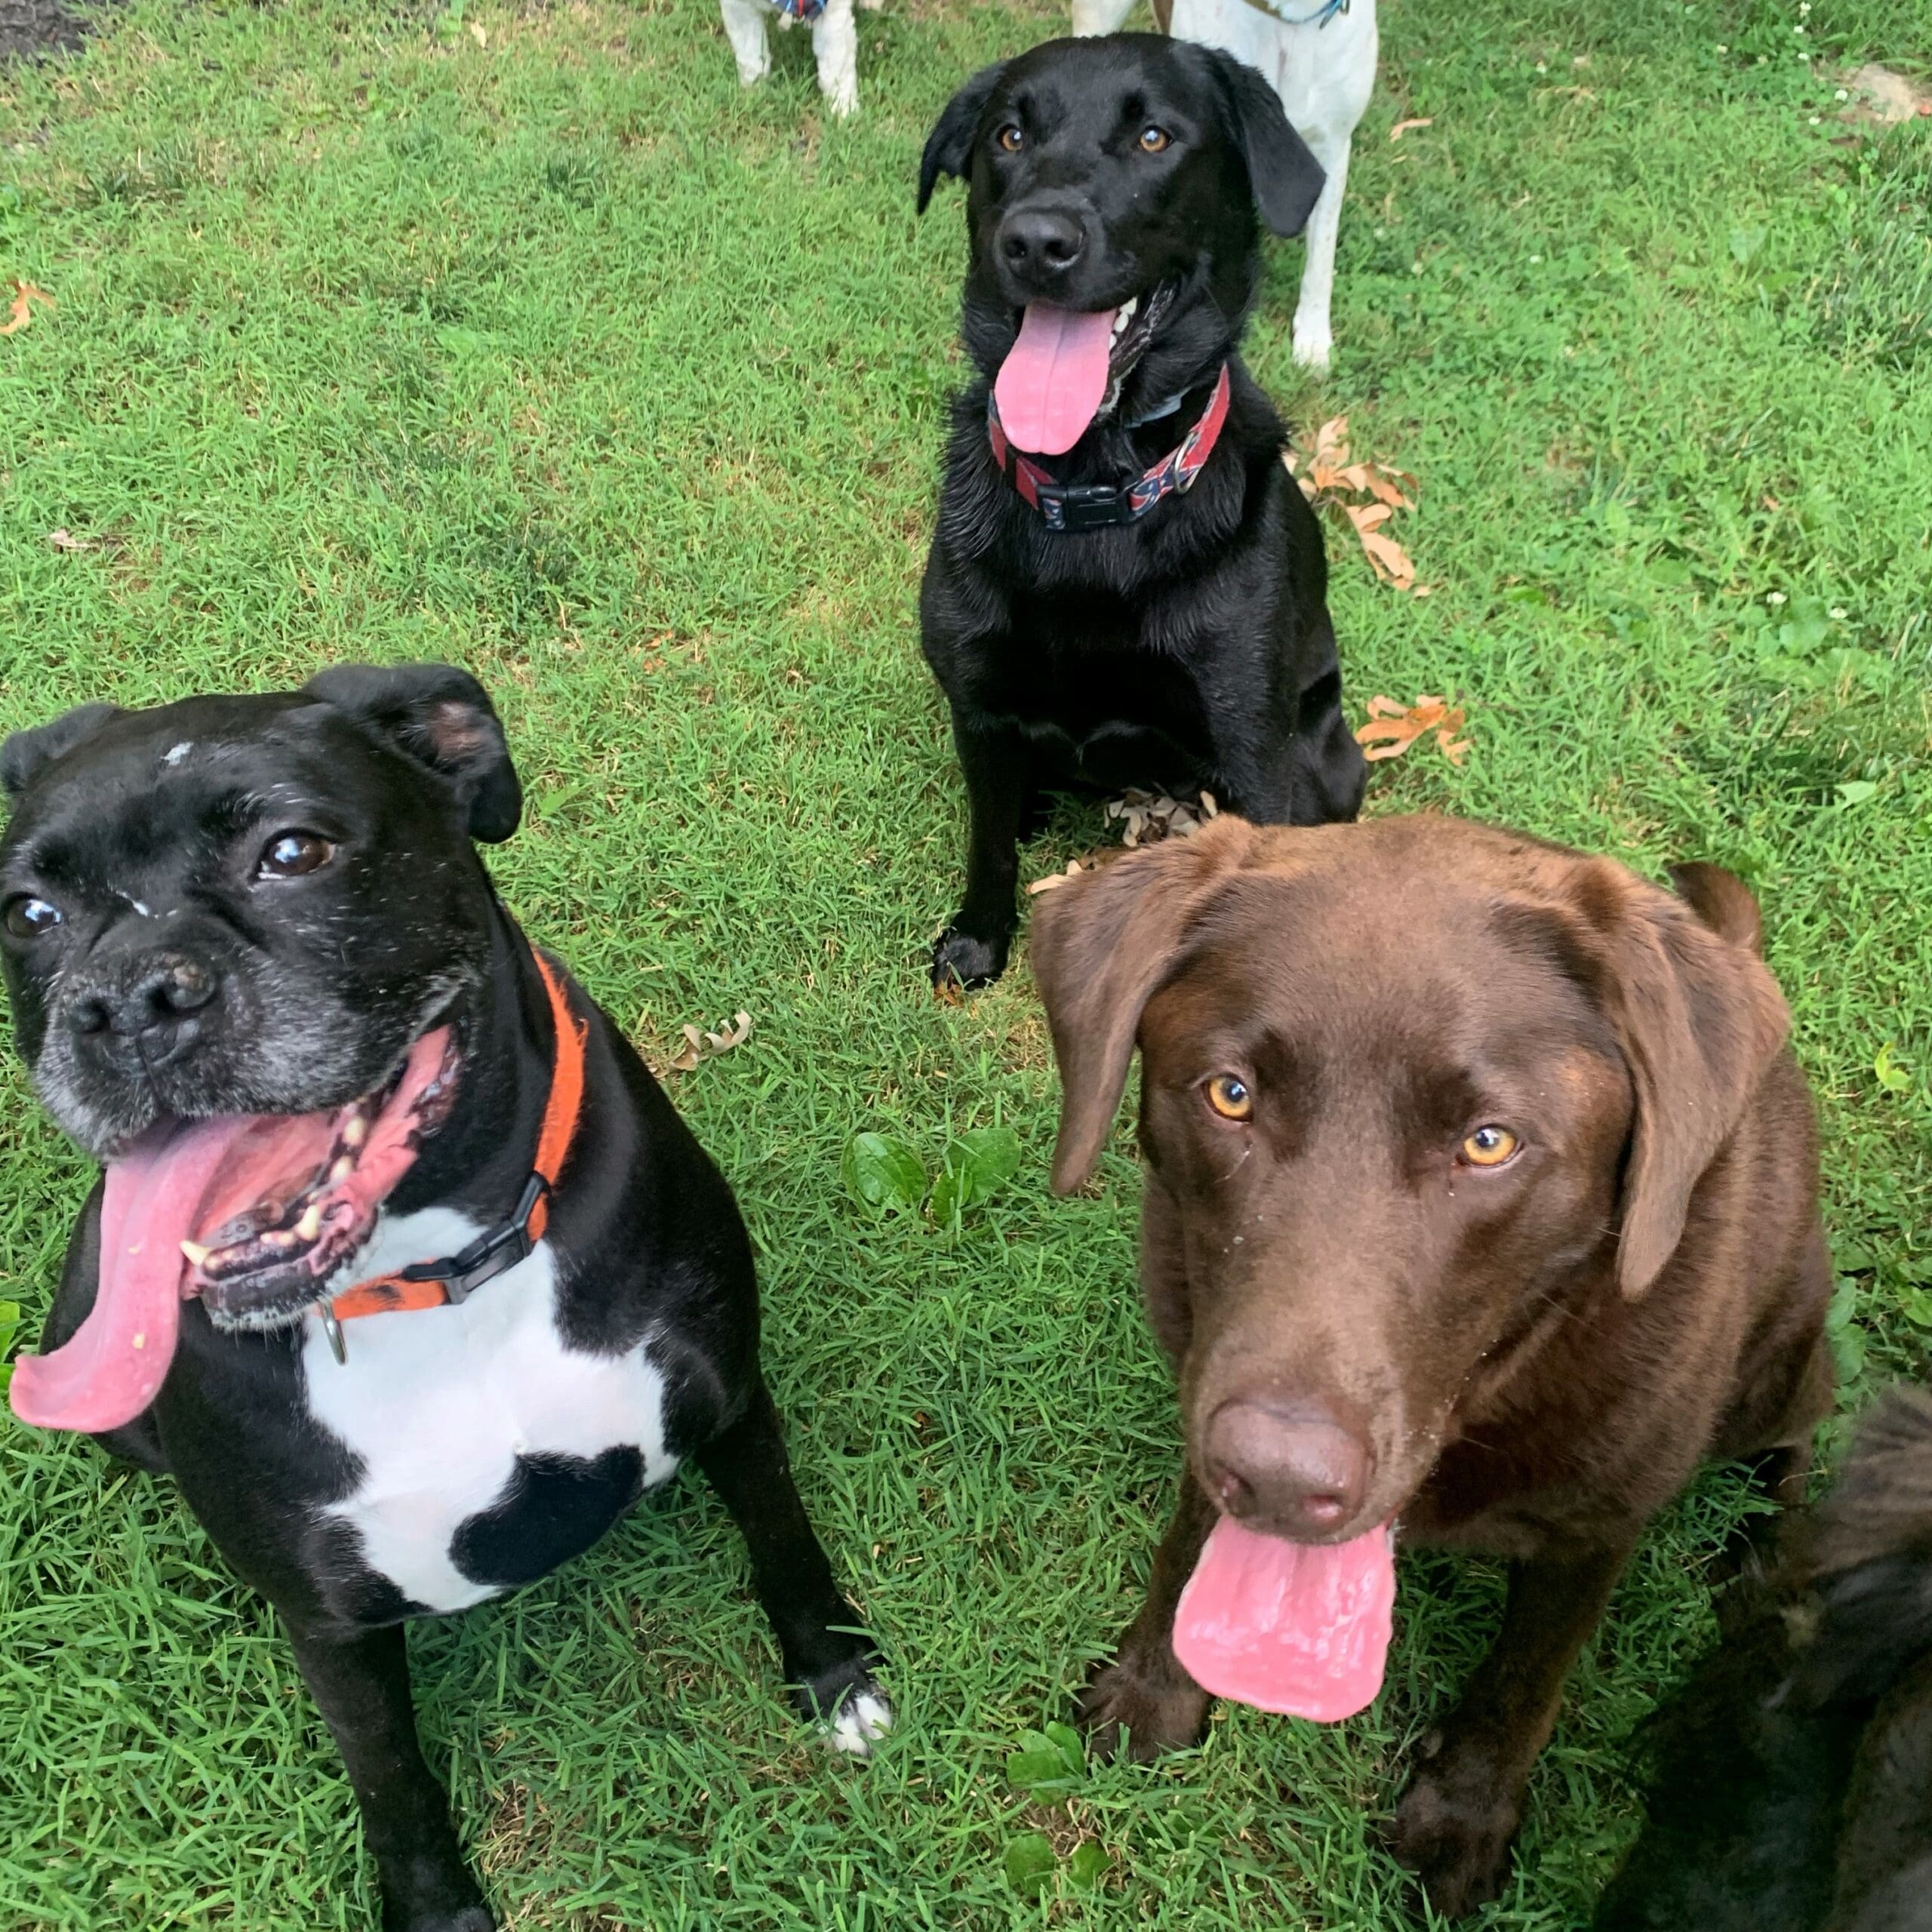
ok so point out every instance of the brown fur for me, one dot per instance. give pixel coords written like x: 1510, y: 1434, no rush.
x: 1535, y: 1357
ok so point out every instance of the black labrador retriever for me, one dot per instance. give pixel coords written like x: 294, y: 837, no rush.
x: 1125, y: 585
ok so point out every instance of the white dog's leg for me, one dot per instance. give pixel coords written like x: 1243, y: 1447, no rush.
x: 1313, y: 337
x: 835, y: 41
x: 1099, y: 16
x: 744, y: 27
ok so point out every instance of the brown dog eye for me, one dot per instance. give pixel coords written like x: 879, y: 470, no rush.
x: 28, y: 918
x: 1490, y: 1146
x: 1229, y: 1095
x: 1011, y: 138
x: 291, y: 854
x: 1153, y: 139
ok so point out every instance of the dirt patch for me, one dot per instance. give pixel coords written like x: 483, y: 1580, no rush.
x: 1877, y: 93
x: 31, y: 28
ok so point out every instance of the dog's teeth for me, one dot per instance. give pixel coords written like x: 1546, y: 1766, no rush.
x: 310, y: 1225
x: 354, y: 1131
x: 197, y: 1255
x: 340, y: 1172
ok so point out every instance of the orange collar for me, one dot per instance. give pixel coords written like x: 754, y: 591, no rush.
x: 450, y: 1280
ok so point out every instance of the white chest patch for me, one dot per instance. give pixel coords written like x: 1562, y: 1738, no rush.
x: 439, y: 1404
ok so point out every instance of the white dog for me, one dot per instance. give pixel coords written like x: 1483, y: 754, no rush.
x: 835, y: 42
x: 1319, y: 57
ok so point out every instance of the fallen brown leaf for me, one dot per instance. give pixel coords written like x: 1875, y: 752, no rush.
x: 1401, y: 128
x: 699, y: 1044
x: 66, y: 539
x: 1150, y: 816
x: 1387, y: 558
x: 20, y: 311
x: 1074, y: 869
x: 1331, y: 471
x: 1392, y: 729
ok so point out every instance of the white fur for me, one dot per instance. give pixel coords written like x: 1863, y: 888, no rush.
x: 861, y: 1720
x: 835, y: 45
x: 438, y: 1403
x: 1325, y: 75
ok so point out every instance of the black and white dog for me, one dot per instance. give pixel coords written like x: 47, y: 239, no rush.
x: 1124, y: 584
x: 401, y: 1265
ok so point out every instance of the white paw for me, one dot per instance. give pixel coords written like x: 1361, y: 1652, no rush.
x: 1312, y: 347
x: 862, y: 1717
x: 748, y: 76
x: 843, y: 100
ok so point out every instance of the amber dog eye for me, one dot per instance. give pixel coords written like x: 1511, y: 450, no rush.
x: 291, y: 854
x: 1490, y: 1146
x: 1153, y: 139
x: 1011, y: 138
x: 1229, y: 1095
x: 28, y: 918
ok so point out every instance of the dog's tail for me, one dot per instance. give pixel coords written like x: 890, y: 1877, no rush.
x: 1869, y: 1552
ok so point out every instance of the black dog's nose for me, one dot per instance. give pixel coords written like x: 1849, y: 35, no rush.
x: 148, y: 996
x: 1041, y: 241
x: 1291, y: 1467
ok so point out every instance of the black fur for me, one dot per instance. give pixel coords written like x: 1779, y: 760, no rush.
x: 1793, y: 1778
x: 400, y: 769
x: 1193, y: 647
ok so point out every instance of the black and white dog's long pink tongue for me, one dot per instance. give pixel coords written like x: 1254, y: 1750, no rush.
x: 1054, y: 378
x: 112, y: 1366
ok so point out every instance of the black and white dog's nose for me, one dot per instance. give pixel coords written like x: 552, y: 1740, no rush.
x: 146, y: 999
x: 1041, y: 241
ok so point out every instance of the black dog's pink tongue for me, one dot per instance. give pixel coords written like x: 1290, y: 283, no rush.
x: 1054, y: 378
x: 1299, y: 1628
x: 112, y: 1366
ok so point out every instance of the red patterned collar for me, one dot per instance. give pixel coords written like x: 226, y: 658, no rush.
x: 1079, y: 506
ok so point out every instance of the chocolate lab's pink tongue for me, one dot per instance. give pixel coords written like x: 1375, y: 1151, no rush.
x: 111, y: 1367
x: 1054, y: 378
x: 1299, y: 1628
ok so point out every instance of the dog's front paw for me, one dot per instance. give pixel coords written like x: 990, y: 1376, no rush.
x: 962, y: 961
x: 1313, y: 344
x: 853, y: 1714
x: 1157, y: 1711
x: 860, y: 1720
x: 1454, y: 1834
x: 463, y: 1919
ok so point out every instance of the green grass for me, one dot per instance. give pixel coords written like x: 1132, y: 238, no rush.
x: 562, y: 358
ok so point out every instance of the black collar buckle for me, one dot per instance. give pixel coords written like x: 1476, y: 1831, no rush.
x: 494, y: 1252
x: 1074, y: 507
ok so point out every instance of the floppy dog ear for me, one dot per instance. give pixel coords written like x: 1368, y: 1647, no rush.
x: 441, y: 717
x: 950, y: 146
x: 1698, y: 1018
x: 1285, y: 175
x: 27, y: 754
x: 1102, y: 944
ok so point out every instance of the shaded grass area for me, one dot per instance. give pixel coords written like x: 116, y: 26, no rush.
x: 555, y: 355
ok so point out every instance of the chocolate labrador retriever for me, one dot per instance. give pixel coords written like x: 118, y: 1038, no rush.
x: 1480, y: 1205
x: 1125, y: 586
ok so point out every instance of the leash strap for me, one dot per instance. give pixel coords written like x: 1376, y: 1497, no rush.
x: 1321, y: 15
x: 450, y: 1280
x: 1072, y: 507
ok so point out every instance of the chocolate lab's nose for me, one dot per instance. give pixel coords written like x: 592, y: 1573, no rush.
x: 143, y: 1001
x: 1040, y: 242
x: 1288, y: 1467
